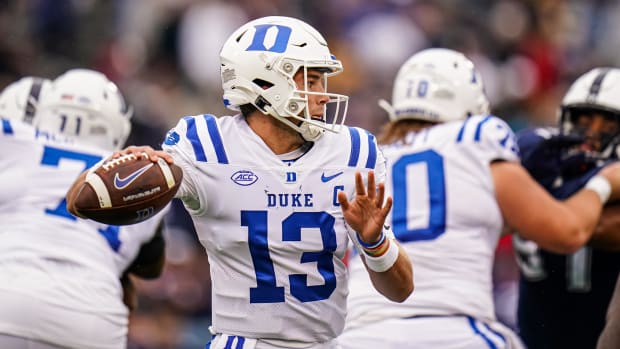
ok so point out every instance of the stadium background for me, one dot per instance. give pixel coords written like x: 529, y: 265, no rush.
x: 164, y: 56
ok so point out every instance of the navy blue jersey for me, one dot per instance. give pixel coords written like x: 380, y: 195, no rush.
x: 562, y: 298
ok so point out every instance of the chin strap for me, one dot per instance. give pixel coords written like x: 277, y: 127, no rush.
x: 310, y: 132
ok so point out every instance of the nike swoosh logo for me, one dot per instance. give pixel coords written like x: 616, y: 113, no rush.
x: 120, y: 183
x: 326, y: 179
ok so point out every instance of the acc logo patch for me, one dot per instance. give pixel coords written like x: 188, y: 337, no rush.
x: 244, y: 177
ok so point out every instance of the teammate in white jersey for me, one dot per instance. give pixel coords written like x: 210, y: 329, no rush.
x: 268, y: 191
x: 19, y: 100
x: 454, y: 174
x: 59, y: 275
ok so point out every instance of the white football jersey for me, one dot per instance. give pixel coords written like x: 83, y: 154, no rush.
x: 274, y: 231
x: 66, y: 269
x: 446, y: 217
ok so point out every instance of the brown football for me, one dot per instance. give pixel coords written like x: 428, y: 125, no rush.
x: 127, y: 190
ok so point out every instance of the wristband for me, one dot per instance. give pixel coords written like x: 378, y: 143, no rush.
x: 601, y: 186
x: 386, y: 260
x: 368, y: 246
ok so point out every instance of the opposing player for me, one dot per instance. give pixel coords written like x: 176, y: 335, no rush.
x: 269, y: 192
x: 455, y: 176
x: 59, y: 275
x: 563, y: 160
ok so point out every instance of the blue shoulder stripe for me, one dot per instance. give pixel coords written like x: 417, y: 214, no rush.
x: 372, y: 152
x: 192, y: 135
x: 216, y: 139
x: 479, y: 128
x: 6, y: 127
x: 355, y: 147
x: 459, y: 137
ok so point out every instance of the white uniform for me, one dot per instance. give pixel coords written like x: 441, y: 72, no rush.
x: 274, y: 232
x: 59, y: 276
x: 446, y: 217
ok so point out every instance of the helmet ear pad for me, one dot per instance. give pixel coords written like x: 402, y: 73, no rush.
x: 437, y: 85
x: 83, y: 104
x: 258, y: 65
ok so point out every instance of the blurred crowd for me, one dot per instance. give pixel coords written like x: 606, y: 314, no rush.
x: 164, y: 55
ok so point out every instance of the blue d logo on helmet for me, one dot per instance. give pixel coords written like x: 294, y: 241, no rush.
x: 280, y: 43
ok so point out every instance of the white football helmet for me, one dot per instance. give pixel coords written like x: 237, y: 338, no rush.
x: 83, y: 104
x: 437, y: 85
x: 259, y: 61
x: 20, y: 99
x: 597, y: 90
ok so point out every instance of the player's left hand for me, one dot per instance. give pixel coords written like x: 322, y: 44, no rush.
x: 366, y: 213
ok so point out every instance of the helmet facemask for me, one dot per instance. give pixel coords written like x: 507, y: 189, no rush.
x: 295, y: 111
x: 604, y: 141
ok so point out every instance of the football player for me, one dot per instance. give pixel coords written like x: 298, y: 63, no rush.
x: 60, y: 276
x: 456, y: 180
x: 277, y: 191
x: 563, y: 159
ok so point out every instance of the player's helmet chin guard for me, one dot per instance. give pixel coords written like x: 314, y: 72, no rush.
x: 84, y: 105
x: 20, y: 99
x: 595, y: 91
x: 258, y: 63
x: 437, y: 85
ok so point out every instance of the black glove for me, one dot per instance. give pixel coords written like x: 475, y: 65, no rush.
x: 553, y: 157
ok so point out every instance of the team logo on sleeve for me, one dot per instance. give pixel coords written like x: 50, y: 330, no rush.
x: 172, y: 138
x: 244, y: 177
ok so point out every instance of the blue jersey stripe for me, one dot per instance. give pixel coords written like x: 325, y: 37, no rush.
x: 472, y: 323
x: 503, y: 141
x: 372, y: 152
x: 229, y: 342
x: 216, y: 139
x: 231, y: 339
x: 495, y: 332
x: 355, y: 146
x: 459, y: 137
x: 6, y: 127
x: 479, y: 128
x: 192, y: 135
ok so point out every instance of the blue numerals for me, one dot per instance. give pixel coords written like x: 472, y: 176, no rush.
x: 436, y: 187
x: 266, y: 290
x: 52, y: 157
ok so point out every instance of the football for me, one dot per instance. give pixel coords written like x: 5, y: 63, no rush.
x: 127, y: 190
